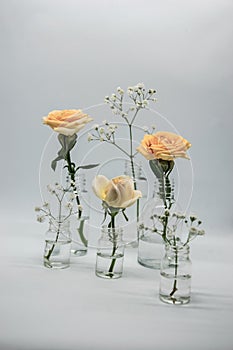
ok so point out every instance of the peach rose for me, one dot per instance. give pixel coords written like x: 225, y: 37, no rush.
x: 67, y: 122
x: 117, y: 193
x: 163, y: 145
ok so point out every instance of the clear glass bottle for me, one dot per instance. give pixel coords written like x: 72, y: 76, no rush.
x: 57, y: 245
x: 150, y: 243
x: 110, y: 253
x: 141, y: 181
x: 139, y: 175
x: 80, y: 226
x: 175, y: 275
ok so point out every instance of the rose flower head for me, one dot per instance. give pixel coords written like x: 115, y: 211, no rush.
x: 116, y: 193
x: 67, y: 122
x: 163, y: 145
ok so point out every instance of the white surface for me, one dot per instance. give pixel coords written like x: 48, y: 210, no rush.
x: 44, y: 309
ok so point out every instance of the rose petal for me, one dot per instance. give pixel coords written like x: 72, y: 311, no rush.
x: 99, y: 185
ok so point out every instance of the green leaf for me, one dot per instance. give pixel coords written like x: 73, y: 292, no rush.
x: 90, y: 166
x: 156, y: 168
x: 67, y: 143
x: 54, y: 162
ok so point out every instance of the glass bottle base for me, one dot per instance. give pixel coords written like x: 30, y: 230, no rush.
x: 79, y: 252
x: 108, y: 275
x: 174, y: 300
x: 55, y: 265
x: 150, y: 263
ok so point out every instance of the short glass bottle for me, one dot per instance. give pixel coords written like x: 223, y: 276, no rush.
x: 57, y: 245
x: 110, y: 253
x: 175, y: 275
x: 150, y: 243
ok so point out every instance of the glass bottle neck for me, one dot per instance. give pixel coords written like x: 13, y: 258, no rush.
x: 113, y: 234
x: 181, y: 250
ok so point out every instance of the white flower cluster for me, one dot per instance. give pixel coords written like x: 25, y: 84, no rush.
x: 138, y: 94
x: 173, y: 223
x: 103, y: 132
x: 61, y: 194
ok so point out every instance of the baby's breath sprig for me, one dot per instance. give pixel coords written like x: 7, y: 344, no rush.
x: 64, y: 211
x: 173, y: 222
x: 61, y: 194
x: 139, y: 98
x: 105, y: 133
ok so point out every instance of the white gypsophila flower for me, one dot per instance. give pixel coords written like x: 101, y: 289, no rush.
x: 153, y: 127
x: 89, y: 137
x: 145, y: 128
x: 145, y: 103
x: 132, y: 108
x: 49, y: 188
x: 193, y: 231
x: 80, y: 207
x: 180, y: 216
x: 40, y: 218
x: 113, y: 97
x: 151, y: 91
x: 101, y: 130
x: 140, y: 85
x: 193, y: 217
x: 105, y: 122
x: 37, y: 209
x: 120, y: 90
x: 46, y: 205
x: 69, y: 205
x: 200, y: 232
x: 95, y: 126
x: 154, y: 99
x: 112, y: 126
x: 58, y: 187
x: 101, y: 139
x: 72, y: 196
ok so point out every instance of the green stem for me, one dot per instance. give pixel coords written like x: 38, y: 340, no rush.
x: 114, y: 248
x: 57, y: 235
x: 71, y: 170
x: 174, y: 289
x: 132, y: 166
x: 81, y: 234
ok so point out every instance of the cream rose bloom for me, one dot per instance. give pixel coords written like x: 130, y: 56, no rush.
x: 163, y: 145
x: 67, y: 122
x: 117, y: 193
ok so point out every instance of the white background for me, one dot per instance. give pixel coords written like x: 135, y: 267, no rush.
x: 58, y: 54
x: 70, y: 54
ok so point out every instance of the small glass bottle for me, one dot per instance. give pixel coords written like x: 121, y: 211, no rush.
x: 57, y: 245
x: 110, y: 253
x: 175, y: 275
x: 150, y: 243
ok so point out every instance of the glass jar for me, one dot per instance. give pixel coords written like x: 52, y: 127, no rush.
x: 175, y: 275
x: 57, y: 245
x: 150, y: 243
x: 110, y: 253
x: 150, y: 249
